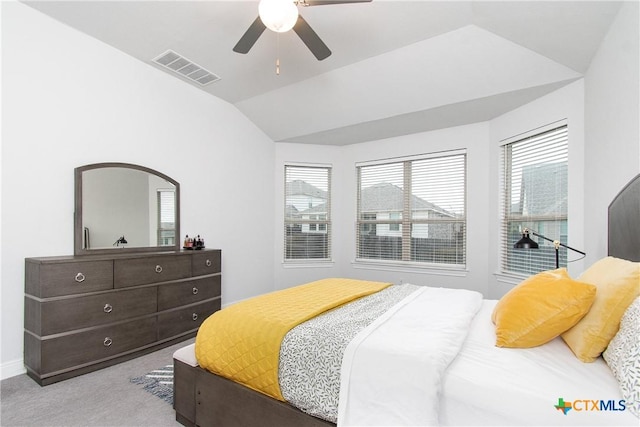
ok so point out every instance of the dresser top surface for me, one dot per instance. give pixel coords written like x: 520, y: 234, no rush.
x: 115, y: 256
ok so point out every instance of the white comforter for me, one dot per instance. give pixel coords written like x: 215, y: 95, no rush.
x: 411, y: 346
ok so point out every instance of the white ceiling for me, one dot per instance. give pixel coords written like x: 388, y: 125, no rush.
x: 397, y: 67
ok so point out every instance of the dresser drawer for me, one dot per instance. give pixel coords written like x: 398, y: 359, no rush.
x: 180, y: 321
x: 92, y: 346
x: 206, y: 262
x: 82, y: 312
x: 178, y: 294
x: 43, y: 279
x: 140, y: 271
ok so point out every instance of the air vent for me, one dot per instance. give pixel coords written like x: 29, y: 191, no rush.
x: 180, y: 65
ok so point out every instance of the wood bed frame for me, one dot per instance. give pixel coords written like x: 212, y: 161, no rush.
x: 205, y: 399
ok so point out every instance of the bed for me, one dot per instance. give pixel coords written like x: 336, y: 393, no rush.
x: 471, y: 381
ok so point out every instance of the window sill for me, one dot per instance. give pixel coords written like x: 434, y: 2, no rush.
x: 308, y: 264
x: 510, y: 278
x: 407, y: 267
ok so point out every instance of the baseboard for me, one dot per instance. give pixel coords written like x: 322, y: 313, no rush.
x: 11, y: 369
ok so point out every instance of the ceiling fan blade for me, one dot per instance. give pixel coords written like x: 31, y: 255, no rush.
x: 311, y: 39
x: 325, y: 2
x: 250, y: 37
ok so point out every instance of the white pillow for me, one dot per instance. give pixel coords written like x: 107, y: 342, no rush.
x: 623, y: 357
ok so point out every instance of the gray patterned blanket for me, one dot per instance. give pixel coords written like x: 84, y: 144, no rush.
x: 311, y: 353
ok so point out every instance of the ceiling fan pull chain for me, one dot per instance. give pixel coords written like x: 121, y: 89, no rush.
x: 278, y: 54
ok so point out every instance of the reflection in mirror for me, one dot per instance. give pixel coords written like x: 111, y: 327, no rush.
x: 122, y: 206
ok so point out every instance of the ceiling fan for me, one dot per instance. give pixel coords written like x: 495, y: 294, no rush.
x: 281, y: 16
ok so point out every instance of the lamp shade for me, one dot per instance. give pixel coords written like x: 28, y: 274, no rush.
x: 525, y: 242
x: 278, y: 15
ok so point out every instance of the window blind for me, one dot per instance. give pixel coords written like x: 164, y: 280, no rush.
x: 413, y: 210
x: 307, y: 213
x: 535, y: 196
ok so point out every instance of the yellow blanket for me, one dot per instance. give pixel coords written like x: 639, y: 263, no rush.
x: 242, y: 341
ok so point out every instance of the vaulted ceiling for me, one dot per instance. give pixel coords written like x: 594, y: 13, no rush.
x: 397, y: 67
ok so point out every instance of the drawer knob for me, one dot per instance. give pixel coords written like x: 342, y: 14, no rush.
x: 107, y: 342
x: 195, y: 290
x: 158, y: 269
x: 208, y: 263
x: 79, y: 278
x: 194, y: 316
x: 108, y: 308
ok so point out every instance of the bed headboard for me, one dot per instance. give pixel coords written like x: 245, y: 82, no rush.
x: 624, y: 222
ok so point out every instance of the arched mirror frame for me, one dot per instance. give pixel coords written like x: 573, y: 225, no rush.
x: 78, y: 220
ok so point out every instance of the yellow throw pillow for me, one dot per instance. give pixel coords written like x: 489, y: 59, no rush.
x: 618, y: 283
x: 541, y: 308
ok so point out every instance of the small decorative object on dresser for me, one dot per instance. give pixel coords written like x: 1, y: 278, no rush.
x: 85, y: 313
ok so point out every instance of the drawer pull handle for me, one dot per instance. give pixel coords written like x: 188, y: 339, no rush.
x: 195, y: 290
x: 80, y: 278
x: 158, y: 269
x: 208, y: 263
x: 107, y: 342
x: 194, y: 316
x: 108, y: 308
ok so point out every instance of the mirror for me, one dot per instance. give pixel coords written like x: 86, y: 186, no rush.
x: 120, y: 206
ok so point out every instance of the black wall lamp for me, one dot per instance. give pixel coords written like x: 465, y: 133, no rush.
x: 527, y: 243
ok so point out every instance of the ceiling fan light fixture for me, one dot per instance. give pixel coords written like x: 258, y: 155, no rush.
x: 278, y: 15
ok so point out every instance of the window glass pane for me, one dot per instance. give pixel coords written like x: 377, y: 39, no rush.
x: 307, y: 212
x: 531, y: 261
x: 381, y: 190
x: 446, y: 244
x: 304, y: 241
x: 438, y: 187
x: 377, y: 241
x: 539, y: 175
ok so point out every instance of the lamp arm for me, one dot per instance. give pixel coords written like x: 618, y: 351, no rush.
x: 555, y: 242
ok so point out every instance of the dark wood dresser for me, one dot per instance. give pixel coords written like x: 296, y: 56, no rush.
x: 87, y: 312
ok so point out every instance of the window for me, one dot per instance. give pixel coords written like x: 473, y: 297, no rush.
x: 534, y: 188
x: 394, y: 216
x: 307, y: 217
x: 166, y: 218
x: 413, y: 210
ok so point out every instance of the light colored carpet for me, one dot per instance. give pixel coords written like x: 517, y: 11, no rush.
x: 103, y: 398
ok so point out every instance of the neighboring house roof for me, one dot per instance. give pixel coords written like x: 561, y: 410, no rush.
x: 299, y: 187
x: 386, y: 197
x: 383, y: 197
x: 290, y: 211
x: 318, y: 209
x: 303, y: 188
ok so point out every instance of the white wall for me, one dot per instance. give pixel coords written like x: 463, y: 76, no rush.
x: 69, y: 100
x: 612, y: 124
x: 473, y: 138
